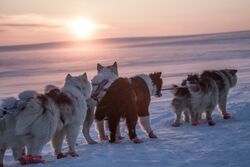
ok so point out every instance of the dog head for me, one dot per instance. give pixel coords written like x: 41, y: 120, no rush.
x: 191, y: 79
x: 81, y: 83
x: 231, y: 75
x: 107, y: 69
x: 109, y: 73
x: 157, y: 83
x: 106, y: 72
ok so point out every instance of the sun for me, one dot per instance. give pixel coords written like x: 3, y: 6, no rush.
x: 82, y: 28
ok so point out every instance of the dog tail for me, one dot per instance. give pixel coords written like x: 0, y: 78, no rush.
x: 50, y: 87
x: 37, y: 110
x: 30, y: 113
x: 27, y: 95
x: 174, y: 89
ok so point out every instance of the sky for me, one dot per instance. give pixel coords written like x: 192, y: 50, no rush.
x: 38, y: 21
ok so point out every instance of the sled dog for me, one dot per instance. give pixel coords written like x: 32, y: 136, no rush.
x: 225, y: 79
x: 30, y: 122
x: 71, y: 101
x: 129, y: 98
x: 202, y: 93
x: 100, y: 83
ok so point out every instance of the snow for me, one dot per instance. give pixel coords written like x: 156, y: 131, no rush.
x: 225, y: 144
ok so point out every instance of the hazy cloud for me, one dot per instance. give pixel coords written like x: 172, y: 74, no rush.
x: 29, y: 21
x: 29, y: 25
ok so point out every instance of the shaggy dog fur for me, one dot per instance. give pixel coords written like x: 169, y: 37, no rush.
x: 32, y: 127
x: 225, y: 79
x: 201, y: 94
x: 9, y: 111
x: 71, y: 100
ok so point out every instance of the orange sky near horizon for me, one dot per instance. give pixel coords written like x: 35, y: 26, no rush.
x: 32, y: 21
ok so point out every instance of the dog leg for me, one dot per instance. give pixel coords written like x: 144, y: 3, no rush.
x: 177, y: 109
x: 118, y: 132
x: 87, y: 124
x: 177, y: 120
x: 223, y: 105
x: 2, y: 152
x: 132, y: 131
x: 71, y: 136
x: 113, y: 125
x: 186, y: 114
x: 34, y: 147
x: 18, y: 152
x: 100, y: 129
x: 209, y: 118
x: 195, y: 118
x: 145, y: 125
x: 57, y: 142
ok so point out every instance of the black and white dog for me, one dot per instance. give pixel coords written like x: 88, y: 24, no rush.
x: 201, y: 93
x: 225, y: 79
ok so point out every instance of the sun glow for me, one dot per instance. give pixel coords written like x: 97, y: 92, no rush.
x: 82, y: 28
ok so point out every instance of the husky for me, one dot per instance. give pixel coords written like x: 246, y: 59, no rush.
x: 225, y: 79
x: 71, y: 101
x: 100, y: 83
x: 129, y: 98
x: 29, y: 122
x: 200, y: 95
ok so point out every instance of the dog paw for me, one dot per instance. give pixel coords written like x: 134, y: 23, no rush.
x: 61, y: 155
x: 226, y: 116
x: 137, y: 140
x: 25, y: 159
x: 196, y: 123
x: 28, y: 159
x: 118, y: 140
x: 73, y: 154
x: 152, y: 135
x: 211, y: 123
x: 175, y: 124
x: 92, y: 142
x: 37, y: 159
x: 120, y: 137
x: 104, y: 138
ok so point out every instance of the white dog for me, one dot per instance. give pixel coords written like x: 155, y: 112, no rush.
x: 71, y: 100
x: 31, y: 122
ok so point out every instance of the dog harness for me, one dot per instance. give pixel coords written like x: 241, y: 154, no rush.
x: 11, y: 110
x: 18, y: 105
x: 100, y: 88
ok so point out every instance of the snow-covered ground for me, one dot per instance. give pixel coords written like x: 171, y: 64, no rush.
x: 226, y: 144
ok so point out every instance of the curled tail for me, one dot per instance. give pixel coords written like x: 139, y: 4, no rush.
x: 174, y: 89
x: 50, y: 87
x: 37, y: 109
x: 30, y: 113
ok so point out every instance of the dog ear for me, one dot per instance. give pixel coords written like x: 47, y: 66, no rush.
x: 85, y: 76
x: 68, y: 77
x: 99, y: 67
x: 114, y: 68
x: 158, y: 74
x: 115, y: 65
x: 233, y: 72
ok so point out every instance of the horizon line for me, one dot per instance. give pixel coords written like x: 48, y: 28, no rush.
x: 126, y: 37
